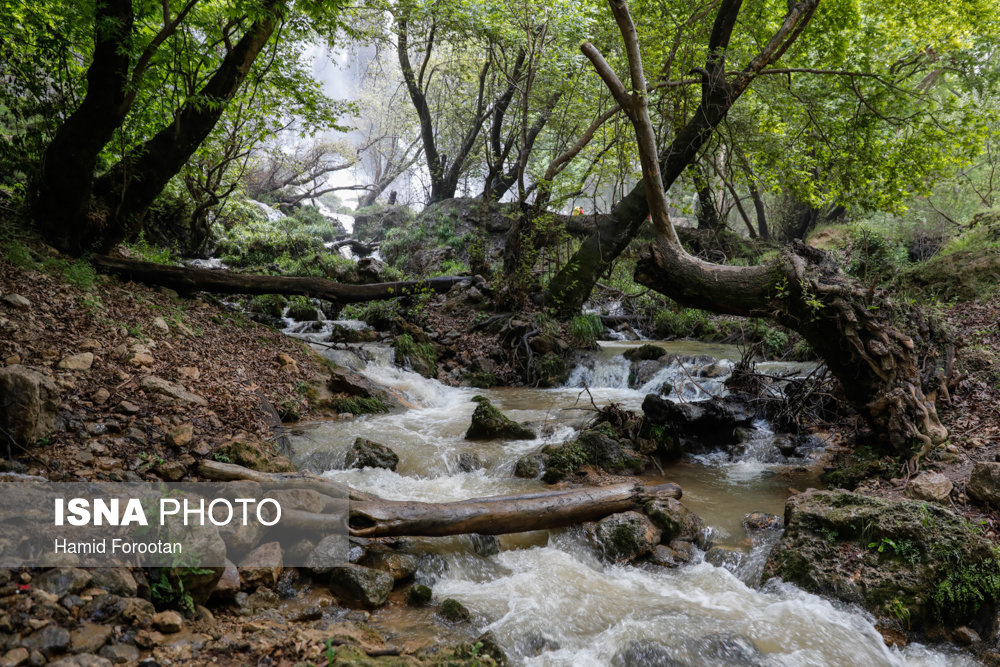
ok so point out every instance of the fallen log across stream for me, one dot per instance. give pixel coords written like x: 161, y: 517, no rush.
x: 371, y: 516
x: 186, y: 279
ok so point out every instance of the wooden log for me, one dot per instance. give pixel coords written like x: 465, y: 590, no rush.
x: 229, y: 472
x: 501, y: 514
x: 188, y: 279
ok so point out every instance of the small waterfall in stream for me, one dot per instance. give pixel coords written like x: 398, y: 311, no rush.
x: 547, y: 597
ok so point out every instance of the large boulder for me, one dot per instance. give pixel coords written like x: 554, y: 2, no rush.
x: 29, y: 404
x: 676, y: 521
x: 912, y: 564
x: 488, y: 423
x: 370, y: 454
x: 625, y: 537
x: 357, y: 586
x: 984, y: 483
x: 700, y: 425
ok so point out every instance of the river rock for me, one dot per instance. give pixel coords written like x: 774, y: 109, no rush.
x: 898, y: 559
x: 302, y: 312
x: 228, y: 584
x: 61, y: 581
x: 370, y: 454
x: 467, y: 462
x: 341, y: 334
x: 82, y: 660
x: 370, y: 269
x: 345, y: 382
x: 454, y: 611
x: 676, y: 521
x: 159, y: 386
x: 399, y: 565
x: 262, y: 566
x: 168, y: 622
x: 610, y: 454
x: 329, y: 552
x: 529, y: 467
x: 121, y: 654
x: 625, y: 537
x: 357, y: 586
x: 645, y: 352
x: 984, y: 483
x: 418, y: 595
x: 255, y: 455
x: 116, y: 580
x: 930, y: 486
x: 756, y: 522
x: 50, y: 640
x: 644, y: 653
x: 89, y: 638
x: 488, y: 423
x: 29, y: 404
x: 700, y: 425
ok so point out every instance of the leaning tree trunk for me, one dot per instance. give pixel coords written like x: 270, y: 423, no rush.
x: 850, y: 327
x: 184, y: 279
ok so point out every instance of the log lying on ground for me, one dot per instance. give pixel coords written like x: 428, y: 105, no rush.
x: 185, y: 279
x: 371, y: 516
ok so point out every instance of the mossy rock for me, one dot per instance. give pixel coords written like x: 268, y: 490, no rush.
x: 370, y: 454
x: 676, y: 521
x: 645, y: 352
x: 551, y: 370
x: 254, y: 454
x: 303, y: 312
x: 454, y: 611
x: 912, y: 563
x: 488, y: 423
x: 418, y: 595
x: 626, y: 537
x: 962, y: 275
x: 420, y: 357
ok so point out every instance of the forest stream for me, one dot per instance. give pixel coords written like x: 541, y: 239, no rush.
x: 547, y: 596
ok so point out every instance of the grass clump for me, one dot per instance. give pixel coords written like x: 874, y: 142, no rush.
x: 584, y: 330
x: 359, y: 405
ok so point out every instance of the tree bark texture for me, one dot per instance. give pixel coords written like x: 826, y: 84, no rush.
x: 185, y: 279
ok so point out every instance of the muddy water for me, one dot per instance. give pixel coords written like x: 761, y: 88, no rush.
x: 546, y: 596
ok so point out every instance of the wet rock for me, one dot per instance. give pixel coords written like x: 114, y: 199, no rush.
x: 76, y: 362
x: 676, y: 521
x: 341, y: 334
x: 454, y: 611
x: 714, y: 370
x: 529, y: 467
x: 262, y: 566
x: 489, y: 646
x: 611, y: 454
x: 159, y: 386
x: 467, y: 462
x: 966, y: 636
x: 399, y: 565
x: 228, y: 584
x: 369, y: 454
x: 485, y: 545
x: 62, y: 581
x: 89, y: 638
x: 50, y: 640
x: 488, y: 423
x: 331, y: 550
x: 725, y: 557
x: 168, y: 622
x: 984, y: 483
x: 666, y: 556
x: 755, y: 522
x: 701, y: 425
x: 646, y: 352
x: 728, y: 650
x: 29, y: 404
x: 534, y: 643
x: 370, y: 269
x: 645, y: 653
x: 357, y: 586
x: 345, y: 382
x: 930, y: 486
x: 625, y: 537
x: 888, y: 555
x: 418, y: 595
x: 302, y: 312
x: 121, y: 654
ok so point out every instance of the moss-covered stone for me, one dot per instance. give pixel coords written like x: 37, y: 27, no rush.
x: 420, y: 357
x: 370, y: 454
x: 454, y: 611
x: 914, y: 563
x: 255, y: 455
x: 359, y: 405
x: 488, y: 423
x: 551, y: 370
x: 645, y: 352
x: 676, y: 521
x: 357, y: 586
x: 625, y: 537
x: 418, y: 595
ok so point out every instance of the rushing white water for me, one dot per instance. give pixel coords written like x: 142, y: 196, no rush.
x: 548, y: 598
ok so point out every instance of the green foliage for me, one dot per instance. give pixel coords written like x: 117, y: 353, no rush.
x: 146, y: 251
x: 967, y: 589
x: 380, y: 315
x: 408, y: 349
x: 562, y: 461
x: 873, y: 257
x: 359, y: 405
x: 584, y: 330
x: 681, y: 323
x: 169, y: 590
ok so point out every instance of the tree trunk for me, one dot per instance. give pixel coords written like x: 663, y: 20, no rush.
x: 758, y: 204
x: 62, y: 194
x: 127, y: 190
x: 185, y: 279
x: 571, y: 287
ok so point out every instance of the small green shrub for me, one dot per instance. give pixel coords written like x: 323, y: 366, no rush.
x: 682, y: 323
x: 873, y: 256
x: 584, y: 330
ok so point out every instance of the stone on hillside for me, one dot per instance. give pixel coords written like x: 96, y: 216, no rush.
x: 121, y: 654
x: 16, y: 301
x: 984, y: 483
x: 29, y: 404
x: 77, y: 362
x: 88, y: 638
x: 254, y: 454
x: 644, y: 352
x: 160, y: 326
x: 228, y: 584
x: 180, y: 436
x: 188, y: 373
x: 357, y: 586
x: 888, y: 556
x: 159, y: 386
x: 82, y: 660
x: 369, y: 454
x: 488, y: 423
x: 331, y: 551
x: 930, y: 486
x: 625, y: 537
